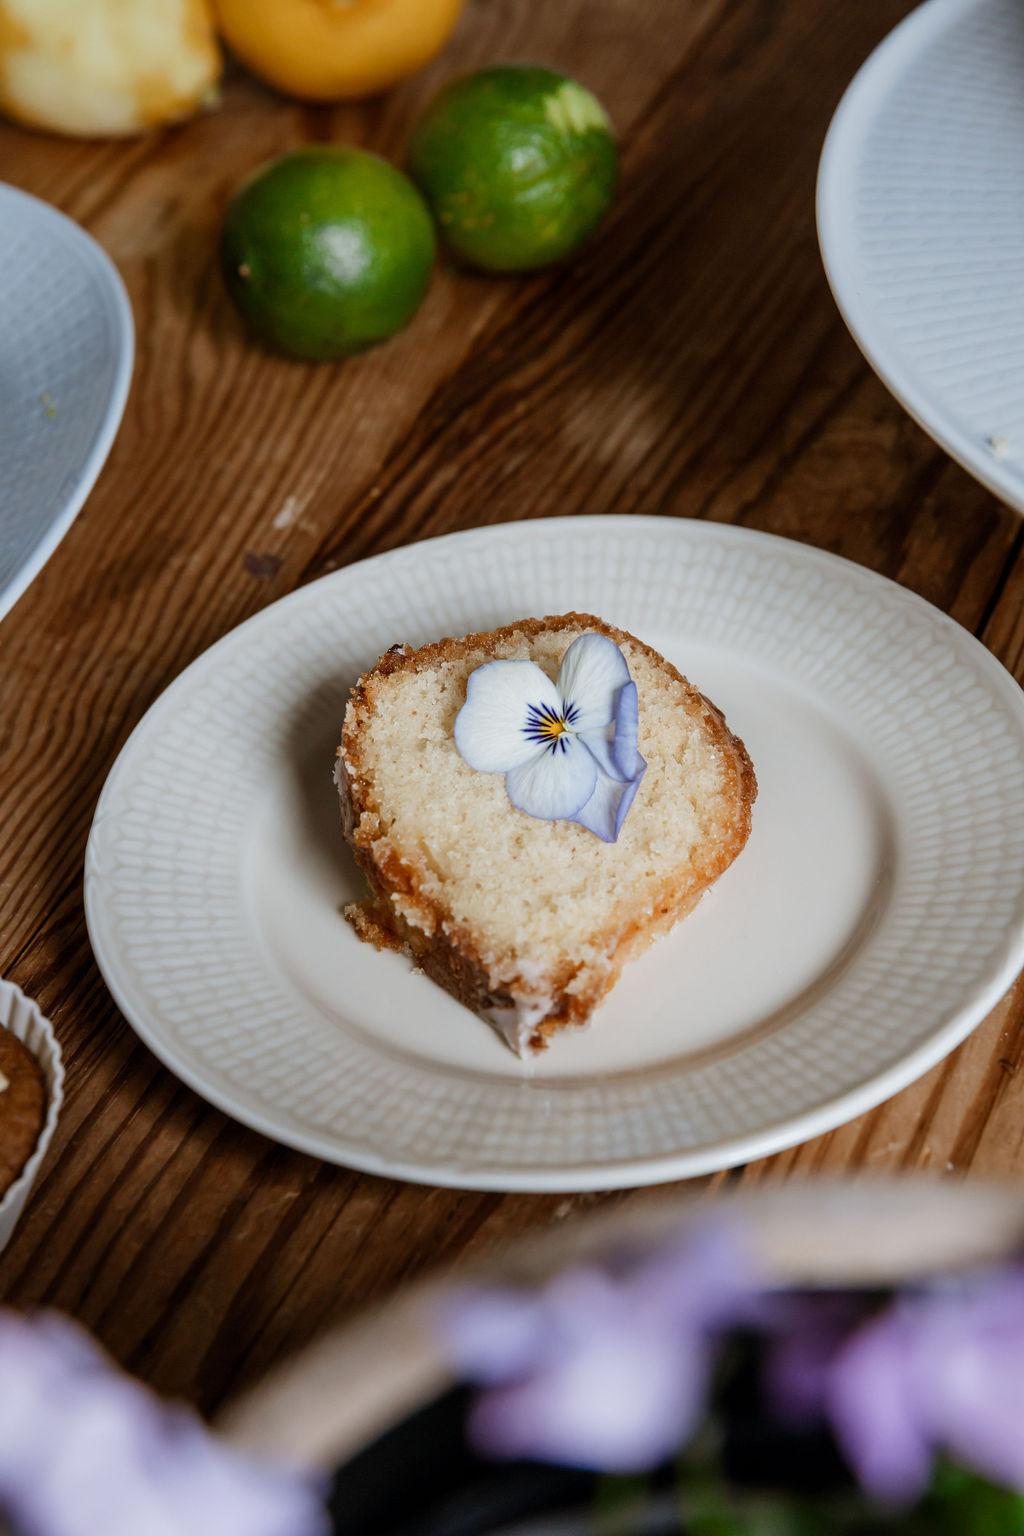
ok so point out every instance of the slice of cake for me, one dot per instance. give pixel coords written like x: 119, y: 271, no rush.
x: 528, y: 827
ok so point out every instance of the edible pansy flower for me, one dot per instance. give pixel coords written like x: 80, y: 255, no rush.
x: 568, y: 750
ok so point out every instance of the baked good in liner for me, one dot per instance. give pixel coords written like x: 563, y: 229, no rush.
x: 23, y: 1101
x: 526, y: 921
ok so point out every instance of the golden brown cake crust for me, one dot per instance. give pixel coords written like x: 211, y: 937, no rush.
x: 452, y: 958
x: 22, y: 1107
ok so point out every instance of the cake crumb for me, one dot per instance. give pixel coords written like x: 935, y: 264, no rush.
x: 366, y: 919
x: 288, y: 513
x: 999, y: 445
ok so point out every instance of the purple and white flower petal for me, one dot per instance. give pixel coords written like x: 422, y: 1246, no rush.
x: 491, y: 727
x: 939, y: 1372
x: 602, y: 1368
x: 615, y: 745
x: 493, y: 1335
x: 977, y: 1413
x: 621, y: 767
x: 605, y: 812
x: 555, y: 784
x: 870, y: 1401
x: 84, y: 1449
x: 950, y: 1364
x: 599, y: 745
x: 703, y: 1277
x: 626, y: 734
x: 592, y: 673
x: 569, y: 751
x: 623, y: 1404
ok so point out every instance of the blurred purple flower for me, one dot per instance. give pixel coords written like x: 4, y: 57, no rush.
x: 84, y: 1450
x: 603, y: 1369
x: 939, y: 1371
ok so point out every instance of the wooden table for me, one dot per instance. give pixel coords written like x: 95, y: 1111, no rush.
x: 691, y: 363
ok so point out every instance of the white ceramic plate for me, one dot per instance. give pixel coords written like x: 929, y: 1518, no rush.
x: 66, y: 344
x: 875, y: 916
x: 921, y: 221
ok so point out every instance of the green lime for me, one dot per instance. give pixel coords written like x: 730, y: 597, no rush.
x: 518, y: 164
x: 327, y: 251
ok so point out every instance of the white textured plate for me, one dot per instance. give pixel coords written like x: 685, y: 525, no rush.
x: 66, y: 346
x: 921, y: 221
x: 875, y: 916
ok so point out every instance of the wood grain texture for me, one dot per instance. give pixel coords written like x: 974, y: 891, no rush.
x: 691, y: 363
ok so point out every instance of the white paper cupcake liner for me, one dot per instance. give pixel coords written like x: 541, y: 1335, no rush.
x: 22, y: 1017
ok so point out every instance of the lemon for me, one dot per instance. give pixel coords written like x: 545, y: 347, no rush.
x: 518, y: 164
x: 327, y: 251
x: 328, y: 50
